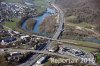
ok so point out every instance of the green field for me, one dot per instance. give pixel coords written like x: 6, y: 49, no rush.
x: 14, y: 1
x: 13, y: 25
x: 40, y: 2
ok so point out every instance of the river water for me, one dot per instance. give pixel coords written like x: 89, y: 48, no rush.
x: 92, y: 39
x: 39, y: 20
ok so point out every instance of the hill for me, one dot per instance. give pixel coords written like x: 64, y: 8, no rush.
x: 79, y: 3
x: 85, y: 10
x: 81, y: 11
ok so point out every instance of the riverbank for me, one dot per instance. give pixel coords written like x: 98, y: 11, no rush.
x: 48, y: 17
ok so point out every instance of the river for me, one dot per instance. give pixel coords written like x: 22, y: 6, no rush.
x: 39, y: 20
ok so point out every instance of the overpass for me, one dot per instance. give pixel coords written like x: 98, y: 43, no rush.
x: 61, y: 22
x: 30, y: 63
x: 42, y: 52
x: 55, y: 37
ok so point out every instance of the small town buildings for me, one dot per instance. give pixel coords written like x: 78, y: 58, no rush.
x: 15, y: 56
x: 3, y: 32
x: 53, y: 49
x: 24, y: 37
x: 7, y: 40
x: 1, y: 27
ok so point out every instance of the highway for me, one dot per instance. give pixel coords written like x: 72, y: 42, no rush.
x: 61, y: 21
x: 34, y: 58
x: 61, y: 24
x: 59, y: 30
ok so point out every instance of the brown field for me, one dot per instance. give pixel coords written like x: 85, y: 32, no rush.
x: 79, y: 3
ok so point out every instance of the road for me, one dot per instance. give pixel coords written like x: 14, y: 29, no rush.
x: 61, y: 24
x: 61, y: 21
x: 35, y: 57
x: 39, y: 55
x: 55, y: 37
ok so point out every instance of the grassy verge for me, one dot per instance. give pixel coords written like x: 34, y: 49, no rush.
x: 87, y: 49
x: 98, y: 58
x: 83, y: 43
x: 89, y: 46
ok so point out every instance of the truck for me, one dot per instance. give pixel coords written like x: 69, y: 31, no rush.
x: 43, y: 59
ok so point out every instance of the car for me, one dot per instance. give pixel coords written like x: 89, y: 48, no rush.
x: 66, y: 49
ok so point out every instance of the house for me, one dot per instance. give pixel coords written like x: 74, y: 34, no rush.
x: 3, y: 32
x: 15, y: 56
x: 1, y: 20
x: 16, y: 32
x: 2, y: 42
x: 13, y: 32
x: 24, y: 37
x: 2, y: 51
x: 0, y: 39
x: 53, y: 49
x: 1, y: 27
x: 8, y: 40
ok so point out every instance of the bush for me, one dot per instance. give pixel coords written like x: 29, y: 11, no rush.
x: 98, y: 58
x: 72, y: 19
x: 30, y: 23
